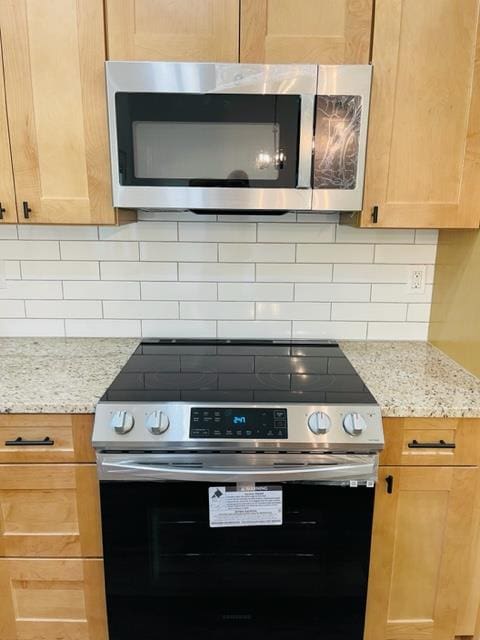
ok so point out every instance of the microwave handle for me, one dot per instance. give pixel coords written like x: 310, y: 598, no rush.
x: 305, y: 145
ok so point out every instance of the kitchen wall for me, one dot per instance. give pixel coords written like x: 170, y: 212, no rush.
x: 298, y: 275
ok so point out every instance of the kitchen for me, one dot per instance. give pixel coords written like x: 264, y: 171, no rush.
x: 84, y: 276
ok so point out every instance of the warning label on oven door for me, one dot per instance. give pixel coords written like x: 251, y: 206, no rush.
x: 258, y: 506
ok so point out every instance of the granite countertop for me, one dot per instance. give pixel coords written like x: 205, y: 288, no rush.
x: 69, y: 375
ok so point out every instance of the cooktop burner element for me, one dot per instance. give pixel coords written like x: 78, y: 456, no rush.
x: 255, y: 394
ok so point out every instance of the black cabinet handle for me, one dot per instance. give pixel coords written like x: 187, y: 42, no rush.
x: 26, y: 210
x: 441, y: 444
x: 2, y: 211
x: 389, y: 481
x: 20, y: 442
x: 374, y: 215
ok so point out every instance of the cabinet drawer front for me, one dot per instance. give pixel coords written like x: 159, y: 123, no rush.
x: 47, y: 599
x: 46, y: 438
x: 49, y: 510
x: 430, y: 441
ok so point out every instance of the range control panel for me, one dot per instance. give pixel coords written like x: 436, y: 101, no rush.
x: 231, y: 422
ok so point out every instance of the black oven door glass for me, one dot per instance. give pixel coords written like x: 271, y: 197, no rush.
x: 208, y: 140
x: 169, y: 575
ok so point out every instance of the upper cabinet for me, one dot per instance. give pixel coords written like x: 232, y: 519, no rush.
x: 310, y: 31
x: 54, y: 55
x: 7, y: 190
x: 423, y: 154
x: 176, y: 30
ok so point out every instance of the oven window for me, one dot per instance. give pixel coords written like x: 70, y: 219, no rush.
x: 213, y: 140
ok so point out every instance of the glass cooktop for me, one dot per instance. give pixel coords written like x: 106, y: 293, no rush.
x: 238, y: 371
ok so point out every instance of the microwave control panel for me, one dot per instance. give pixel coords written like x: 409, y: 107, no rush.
x: 230, y: 422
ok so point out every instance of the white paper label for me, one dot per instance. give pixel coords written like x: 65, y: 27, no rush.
x: 231, y: 507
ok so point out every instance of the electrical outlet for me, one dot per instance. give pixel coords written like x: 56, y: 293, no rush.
x: 416, y: 279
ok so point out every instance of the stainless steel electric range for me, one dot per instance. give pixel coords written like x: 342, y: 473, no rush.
x: 237, y: 486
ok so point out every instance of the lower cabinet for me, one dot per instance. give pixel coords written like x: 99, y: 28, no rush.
x: 422, y: 536
x: 52, y: 599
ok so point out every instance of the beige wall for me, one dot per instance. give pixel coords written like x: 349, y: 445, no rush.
x: 455, y: 315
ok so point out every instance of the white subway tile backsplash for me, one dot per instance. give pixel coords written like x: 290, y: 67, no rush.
x: 256, y: 252
x: 255, y: 291
x: 382, y: 311
x: 217, y: 272
x: 398, y: 254
x: 217, y: 310
x: 335, y: 253
x: 332, y: 292
x: 217, y: 231
x: 63, y: 308
x: 101, y: 290
x: 294, y: 272
x: 254, y: 329
x: 138, y: 271
x: 107, y: 328
x: 139, y: 309
x: 179, y: 328
x: 293, y: 311
x: 61, y: 270
x: 29, y: 250
x: 98, y: 250
x: 299, y: 232
x: 177, y: 274
x: 166, y: 231
x: 178, y: 251
x: 179, y: 290
x: 397, y: 330
x: 308, y: 329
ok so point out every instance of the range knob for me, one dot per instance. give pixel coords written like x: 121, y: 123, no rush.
x: 354, y: 424
x: 319, y: 423
x: 122, y: 422
x: 157, y: 422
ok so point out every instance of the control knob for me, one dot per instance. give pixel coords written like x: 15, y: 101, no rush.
x: 157, y: 422
x: 122, y: 422
x: 354, y: 424
x: 319, y: 423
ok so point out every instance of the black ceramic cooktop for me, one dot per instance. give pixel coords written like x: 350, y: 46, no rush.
x: 238, y: 371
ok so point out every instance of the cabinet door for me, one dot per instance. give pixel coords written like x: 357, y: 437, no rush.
x: 422, y: 532
x: 178, y: 30
x: 54, y: 57
x: 309, y: 31
x: 423, y: 147
x: 52, y: 599
x: 49, y: 510
x: 8, y: 211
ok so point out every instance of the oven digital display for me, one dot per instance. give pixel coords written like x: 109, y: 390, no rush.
x: 227, y: 422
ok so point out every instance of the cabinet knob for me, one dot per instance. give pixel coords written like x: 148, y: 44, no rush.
x: 26, y: 209
x: 2, y: 211
x: 374, y: 215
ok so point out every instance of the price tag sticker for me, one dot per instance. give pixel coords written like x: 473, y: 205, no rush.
x: 256, y: 506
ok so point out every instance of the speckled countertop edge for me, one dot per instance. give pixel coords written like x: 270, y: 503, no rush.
x: 69, y: 375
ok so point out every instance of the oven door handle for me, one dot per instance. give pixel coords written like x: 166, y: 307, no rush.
x: 336, y: 473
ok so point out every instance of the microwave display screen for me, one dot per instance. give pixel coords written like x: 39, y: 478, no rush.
x: 208, y: 140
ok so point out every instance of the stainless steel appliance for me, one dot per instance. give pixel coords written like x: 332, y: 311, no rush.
x: 237, y: 136
x: 187, y: 421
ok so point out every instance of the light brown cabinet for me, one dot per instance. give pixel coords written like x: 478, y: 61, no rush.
x: 180, y: 30
x: 52, y: 599
x: 7, y: 190
x: 310, y: 31
x: 423, y: 149
x: 53, y: 56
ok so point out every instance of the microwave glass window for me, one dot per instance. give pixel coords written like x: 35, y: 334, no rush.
x: 208, y: 140
x: 337, y: 134
x: 229, y: 151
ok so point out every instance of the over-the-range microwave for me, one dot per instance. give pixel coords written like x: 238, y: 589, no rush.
x: 238, y: 137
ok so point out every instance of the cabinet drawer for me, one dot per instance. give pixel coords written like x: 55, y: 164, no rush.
x: 49, y: 510
x: 431, y: 441
x: 52, y: 599
x: 46, y: 438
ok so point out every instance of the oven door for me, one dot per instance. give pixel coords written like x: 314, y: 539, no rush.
x: 169, y: 574
x: 204, y: 135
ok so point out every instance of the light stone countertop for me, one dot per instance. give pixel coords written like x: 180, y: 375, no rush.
x: 69, y: 375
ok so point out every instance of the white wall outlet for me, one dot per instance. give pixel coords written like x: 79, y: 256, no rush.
x: 417, y: 277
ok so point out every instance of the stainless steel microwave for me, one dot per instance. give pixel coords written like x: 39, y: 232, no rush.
x: 244, y: 137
